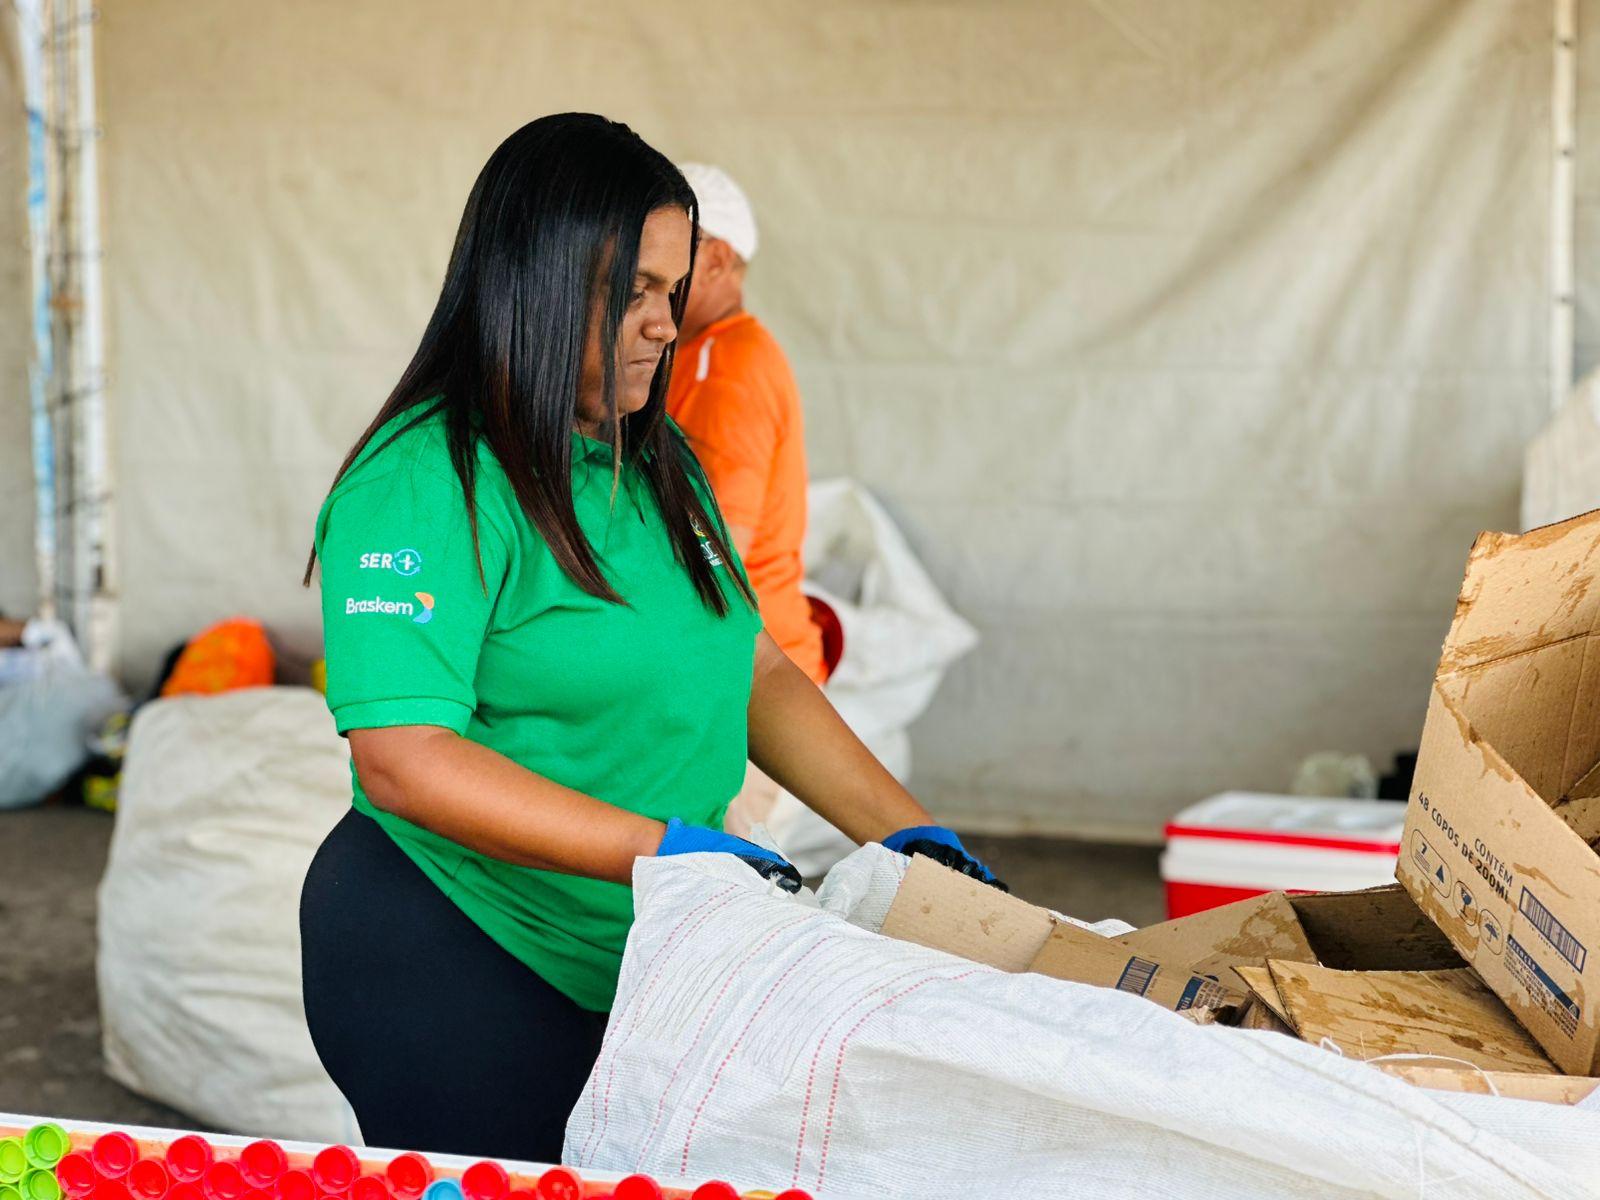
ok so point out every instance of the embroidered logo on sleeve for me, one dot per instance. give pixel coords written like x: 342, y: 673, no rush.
x: 401, y: 562
x: 706, y: 548
x: 393, y: 608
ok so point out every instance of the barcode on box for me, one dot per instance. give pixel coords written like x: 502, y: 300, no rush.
x: 1541, y: 989
x: 1552, y: 930
x: 1137, y: 976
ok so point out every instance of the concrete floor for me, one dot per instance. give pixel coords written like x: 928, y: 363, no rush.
x: 51, y: 860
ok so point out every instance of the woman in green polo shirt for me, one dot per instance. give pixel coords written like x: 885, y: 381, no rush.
x: 546, y: 659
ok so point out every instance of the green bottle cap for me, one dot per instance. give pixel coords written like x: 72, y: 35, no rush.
x: 9, y: 1192
x: 40, y: 1185
x: 13, y: 1160
x: 45, y: 1145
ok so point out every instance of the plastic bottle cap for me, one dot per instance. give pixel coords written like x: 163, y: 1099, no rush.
x: 8, y: 1191
x: 444, y: 1189
x: 149, y: 1179
x: 185, y: 1191
x: 224, y: 1182
x: 716, y: 1189
x: 370, y: 1187
x: 44, y: 1145
x: 114, y: 1154
x: 188, y: 1158
x: 485, y: 1181
x: 794, y: 1194
x: 111, y: 1189
x: 40, y: 1185
x: 13, y: 1159
x: 409, y: 1175
x: 76, y: 1173
x: 559, y: 1183
x: 296, y: 1185
x: 637, y: 1187
x: 522, y: 1194
x: 262, y: 1163
x: 335, y: 1169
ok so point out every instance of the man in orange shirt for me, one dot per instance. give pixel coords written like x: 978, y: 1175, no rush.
x: 736, y: 399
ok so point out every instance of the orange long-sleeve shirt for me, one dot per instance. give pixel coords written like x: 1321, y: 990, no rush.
x: 735, y: 397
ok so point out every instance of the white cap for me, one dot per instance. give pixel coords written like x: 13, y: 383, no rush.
x: 725, y: 211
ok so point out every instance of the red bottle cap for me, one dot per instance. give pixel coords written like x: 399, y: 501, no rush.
x: 258, y: 1194
x: 522, y: 1194
x: 296, y: 1185
x: 223, y: 1181
x: 560, y: 1183
x: 793, y: 1194
x: 637, y: 1187
x: 185, y: 1191
x: 114, y: 1154
x: 335, y: 1169
x: 76, y: 1174
x: 188, y: 1158
x: 370, y: 1187
x: 409, y: 1175
x: 261, y: 1163
x: 148, y: 1179
x: 111, y: 1189
x: 715, y: 1190
x: 485, y: 1181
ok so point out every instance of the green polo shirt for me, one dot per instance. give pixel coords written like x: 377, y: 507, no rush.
x: 641, y: 705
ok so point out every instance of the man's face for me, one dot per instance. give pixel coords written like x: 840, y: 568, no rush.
x: 718, y: 284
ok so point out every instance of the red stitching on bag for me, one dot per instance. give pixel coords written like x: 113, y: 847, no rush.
x: 811, y: 1073
x: 705, y: 1019
x: 600, y: 1121
x: 838, y: 1062
x: 734, y: 1045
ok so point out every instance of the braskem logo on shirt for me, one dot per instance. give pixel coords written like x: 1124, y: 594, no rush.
x: 706, y: 548
x: 393, y: 608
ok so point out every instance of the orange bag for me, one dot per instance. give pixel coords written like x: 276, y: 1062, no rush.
x: 231, y: 655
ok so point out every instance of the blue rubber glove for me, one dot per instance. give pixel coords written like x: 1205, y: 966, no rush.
x: 694, y: 839
x: 944, y: 847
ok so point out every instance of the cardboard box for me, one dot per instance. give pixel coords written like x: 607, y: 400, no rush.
x: 939, y: 908
x: 1214, y: 942
x: 1548, y: 1089
x: 1498, y: 848
x: 1370, y: 1014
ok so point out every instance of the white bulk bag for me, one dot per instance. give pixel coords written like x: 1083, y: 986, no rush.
x: 772, y: 1043
x: 224, y: 800
x: 899, y: 639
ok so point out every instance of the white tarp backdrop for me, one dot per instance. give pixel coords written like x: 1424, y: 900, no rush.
x: 1189, y: 342
x: 19, y: 580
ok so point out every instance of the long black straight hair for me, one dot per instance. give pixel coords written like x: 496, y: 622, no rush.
x: 553, y: 219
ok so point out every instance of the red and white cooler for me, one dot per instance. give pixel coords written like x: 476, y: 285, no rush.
x: 1241, y: 844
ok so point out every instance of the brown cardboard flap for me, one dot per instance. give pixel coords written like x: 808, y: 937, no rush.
x: 1083, y: 957
x: 1521, y: 592
x: 1263, y: 990
x: 1258, y: 1015
x: 1369, y: 1014
x: 944, y: 910
x: 1217, y: 940
x: 1550, y: 1089
x: 1376, y: 929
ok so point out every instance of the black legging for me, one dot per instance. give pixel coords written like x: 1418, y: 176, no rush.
x: 440, y: 1040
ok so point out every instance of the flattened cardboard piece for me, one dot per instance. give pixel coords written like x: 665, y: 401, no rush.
x: 1374, y: 929
x: 1369, y: 1014
x: 1549, y: 1089
x: 1216, y: 941
x: 1258, y: 1015
x: 1083, y: 957
x: 1263, y: 990
x: 1497, y: 839
x: 943, y: 910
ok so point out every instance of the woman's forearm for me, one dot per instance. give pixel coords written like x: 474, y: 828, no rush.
x: 482, y: 800
x: 798, y: 739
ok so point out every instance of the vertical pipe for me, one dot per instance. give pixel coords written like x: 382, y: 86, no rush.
x: 1564, y: 119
